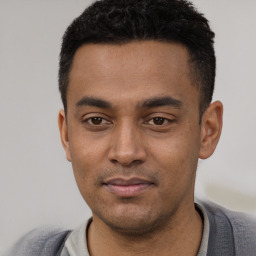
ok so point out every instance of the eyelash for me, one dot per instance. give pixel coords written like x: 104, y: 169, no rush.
x: 103, y: 122
x: 163, y: 121
x: 96, y: 118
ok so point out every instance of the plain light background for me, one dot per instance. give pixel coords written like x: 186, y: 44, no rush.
x: 36, y: 182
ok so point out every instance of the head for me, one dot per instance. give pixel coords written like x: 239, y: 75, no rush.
x: 119, y: 22
x: 136, y: 79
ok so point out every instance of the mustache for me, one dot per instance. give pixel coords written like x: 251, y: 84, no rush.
x: 142, y: 173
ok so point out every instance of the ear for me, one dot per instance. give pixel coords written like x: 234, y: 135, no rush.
x: 64, y: 133
x: 211, y: 126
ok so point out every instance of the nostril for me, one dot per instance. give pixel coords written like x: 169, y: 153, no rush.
x: 127, y: 159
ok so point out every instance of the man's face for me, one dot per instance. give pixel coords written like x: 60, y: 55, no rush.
x: 133, y: 133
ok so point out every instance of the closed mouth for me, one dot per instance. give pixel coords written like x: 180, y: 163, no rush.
x: 123, y: 187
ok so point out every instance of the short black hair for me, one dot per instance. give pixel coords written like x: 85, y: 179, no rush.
x: 123, y: 21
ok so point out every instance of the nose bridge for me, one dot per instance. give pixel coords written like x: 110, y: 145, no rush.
x: 127, y: 146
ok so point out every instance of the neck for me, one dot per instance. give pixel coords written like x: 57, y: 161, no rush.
x: 179, y: 236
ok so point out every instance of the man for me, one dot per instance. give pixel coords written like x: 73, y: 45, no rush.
x: 136, y: 80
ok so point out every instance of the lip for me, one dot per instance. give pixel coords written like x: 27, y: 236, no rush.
x: 127, y: 188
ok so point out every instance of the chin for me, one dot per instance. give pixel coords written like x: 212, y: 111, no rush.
x: 131, y: 222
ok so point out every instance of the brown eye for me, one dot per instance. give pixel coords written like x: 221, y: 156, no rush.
x: 159, y: 120
x: 96, y: 120
x: 96, y: 123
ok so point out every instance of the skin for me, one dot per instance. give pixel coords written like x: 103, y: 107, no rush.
x: 133, y: 113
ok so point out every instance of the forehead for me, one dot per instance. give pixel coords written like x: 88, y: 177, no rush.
x: 135, y: 70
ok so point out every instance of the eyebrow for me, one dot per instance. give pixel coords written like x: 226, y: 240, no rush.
x: 149, y: 103
x: 162, y: 101
x: 94, y: 102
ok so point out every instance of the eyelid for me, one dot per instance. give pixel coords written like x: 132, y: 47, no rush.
x: 166, y: 116
x: 94, y: 114
x: 170, y: 120
x: 165, y: 119
x: 89, y: 116
x: 166, y: 122
x: 103, y: 119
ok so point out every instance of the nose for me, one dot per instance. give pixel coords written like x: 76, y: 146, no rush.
x: 127, y: 147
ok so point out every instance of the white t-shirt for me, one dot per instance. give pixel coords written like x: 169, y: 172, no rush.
x: 76, y: 244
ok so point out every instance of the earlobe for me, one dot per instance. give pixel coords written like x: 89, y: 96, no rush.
x: 64, y: 133
x: 211, y: 127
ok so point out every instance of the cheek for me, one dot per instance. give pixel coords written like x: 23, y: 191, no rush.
x: 88, y: 156
x: 85, y: 174
x: 83, y: 160
x: 177, y: 149
x: 86, y: 151
x: 177, y: 156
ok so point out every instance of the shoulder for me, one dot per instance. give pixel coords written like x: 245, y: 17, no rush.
x: 236, y: 228
x: 238, y: 220
x: 43, y: 241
